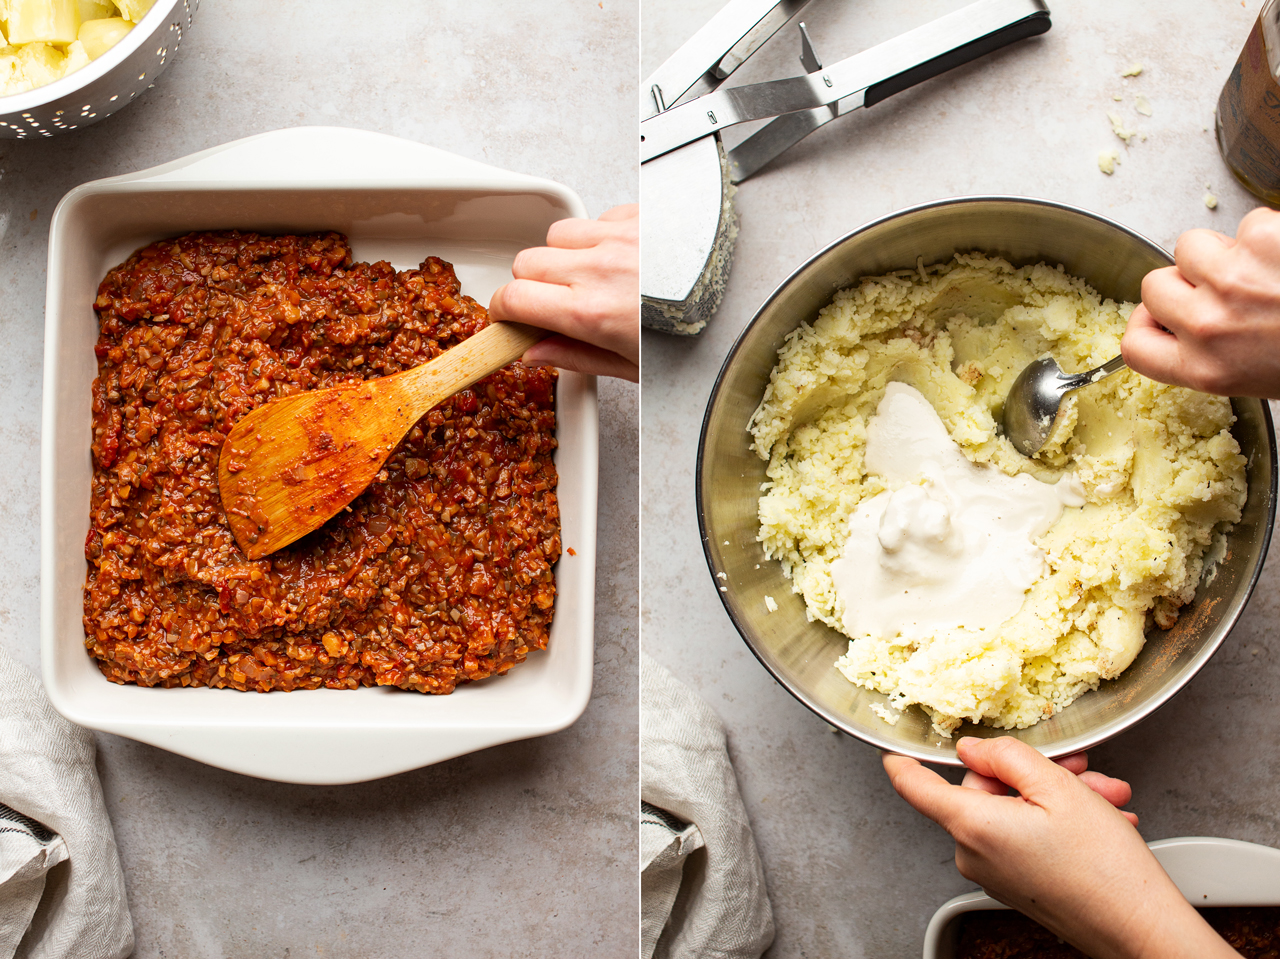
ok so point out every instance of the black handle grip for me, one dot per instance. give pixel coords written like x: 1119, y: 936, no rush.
x: 1031, y: 26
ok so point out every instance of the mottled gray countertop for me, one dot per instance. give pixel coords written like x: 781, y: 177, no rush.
x: 526, y: 849
x: 852, y: 870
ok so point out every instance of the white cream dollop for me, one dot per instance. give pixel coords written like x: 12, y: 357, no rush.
x: 951, y: 543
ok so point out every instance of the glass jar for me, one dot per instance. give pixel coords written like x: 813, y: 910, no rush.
x: 1247, y: 121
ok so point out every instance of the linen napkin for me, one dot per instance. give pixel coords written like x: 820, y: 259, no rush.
x: 61, y: 888
x: 702, y: 891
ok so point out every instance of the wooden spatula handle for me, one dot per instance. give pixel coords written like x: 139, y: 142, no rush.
x: 473, y: 359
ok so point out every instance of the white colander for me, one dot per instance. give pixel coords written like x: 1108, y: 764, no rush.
x: 105, y: 85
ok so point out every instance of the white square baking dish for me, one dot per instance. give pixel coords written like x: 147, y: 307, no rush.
x: 397, y: 201
x: 1207, y: 870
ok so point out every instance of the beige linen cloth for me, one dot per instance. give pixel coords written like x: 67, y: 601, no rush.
x: 702, y: 892
x: 61, y: 888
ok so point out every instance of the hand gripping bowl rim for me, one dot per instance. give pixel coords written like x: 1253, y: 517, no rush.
x: 871, y: 736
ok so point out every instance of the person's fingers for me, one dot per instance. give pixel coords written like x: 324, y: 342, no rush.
x: 1076, y: 763
x: 1199, y: 254
x: 1034, y: 777
x: 1131, y: 816
x: 1170, y: 298
x: 1115, y: 791
x: 1148, y: 348
x: 1259, y: 228
x: 599, y: 268
x: 583, y: 285
x: 555, y: 265
x: 567, y: 354
x: 984, y: 784
x: 925, y: 791
x: 576, y: 234
x: 591, y: 315
x: 538, y: 304
x: 1014, y: 763
x: 627, y: 211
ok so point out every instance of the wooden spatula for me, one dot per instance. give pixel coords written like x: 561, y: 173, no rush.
x: 289, y: 465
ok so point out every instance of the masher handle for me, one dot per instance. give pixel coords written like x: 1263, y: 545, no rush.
x: 879, y: 72
x: 902, y: 67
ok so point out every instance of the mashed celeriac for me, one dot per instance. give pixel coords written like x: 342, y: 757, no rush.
x: 1160, y: 472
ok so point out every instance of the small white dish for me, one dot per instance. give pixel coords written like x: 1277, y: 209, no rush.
x: 395, y: 200
x: 1208, y: 871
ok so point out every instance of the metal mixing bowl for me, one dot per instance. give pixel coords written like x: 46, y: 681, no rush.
x: 801, y: 654
x: 98, y: 90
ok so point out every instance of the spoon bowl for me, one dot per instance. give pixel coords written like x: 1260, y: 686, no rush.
x: 1032, y: 406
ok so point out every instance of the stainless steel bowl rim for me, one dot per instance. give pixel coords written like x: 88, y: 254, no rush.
x: 142, y: 31
x: 1109, y: 730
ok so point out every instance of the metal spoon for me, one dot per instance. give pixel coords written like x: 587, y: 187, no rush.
x: 1032, y: 404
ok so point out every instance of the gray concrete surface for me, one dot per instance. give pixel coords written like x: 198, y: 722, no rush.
x: 522, y: 850
x: 852, y: 870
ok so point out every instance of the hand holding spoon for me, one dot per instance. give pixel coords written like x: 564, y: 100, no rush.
x: 294, y: 462
x: 1033, y: 401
